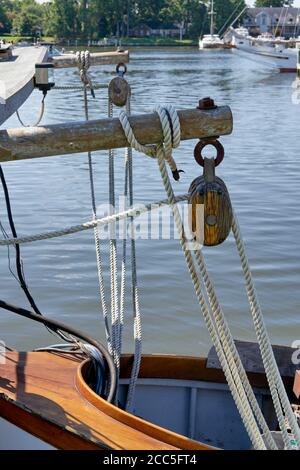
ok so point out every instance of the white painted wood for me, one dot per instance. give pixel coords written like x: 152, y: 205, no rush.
x: 16, y: 78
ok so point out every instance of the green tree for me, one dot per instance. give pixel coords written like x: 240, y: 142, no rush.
x: 226, y: 12
x: 61, y: 18
x: 29, y: 18
x: 6, y: 8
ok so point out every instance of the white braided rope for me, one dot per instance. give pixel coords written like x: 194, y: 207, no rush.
x: 83, y: 59
x: 169, y: 139
x: 63, y: 232
x: 137, y: 317
x: 114, y: 291
x: 229, y: 369
x: 231, y: 350
x: 238, y: 393
x: 273, y: 375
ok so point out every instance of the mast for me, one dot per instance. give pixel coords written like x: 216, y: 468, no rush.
x: 212, y: 14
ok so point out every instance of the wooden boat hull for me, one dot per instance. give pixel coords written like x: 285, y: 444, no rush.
x: 183, y: 404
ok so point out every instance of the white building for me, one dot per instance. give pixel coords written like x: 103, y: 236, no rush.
x: 282, y: 21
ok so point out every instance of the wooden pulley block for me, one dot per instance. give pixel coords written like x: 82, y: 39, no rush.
x: 210, y: 206
x: 119, y: 91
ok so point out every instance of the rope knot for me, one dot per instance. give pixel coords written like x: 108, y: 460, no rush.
x: 171, y: 136
x: 84, y: 63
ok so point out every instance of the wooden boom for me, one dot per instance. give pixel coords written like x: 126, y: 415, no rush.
x: 96, y: 58
x: 61, y: 139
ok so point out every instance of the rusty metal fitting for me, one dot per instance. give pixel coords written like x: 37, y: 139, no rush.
x: 206, y: 104
x: 198, y: 152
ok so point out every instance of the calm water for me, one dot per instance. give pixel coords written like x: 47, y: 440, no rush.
x: 262, y: 173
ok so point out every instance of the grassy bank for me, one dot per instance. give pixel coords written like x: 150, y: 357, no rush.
x: 15, y: 39
x: 157, y: 42
x: 124, y: 41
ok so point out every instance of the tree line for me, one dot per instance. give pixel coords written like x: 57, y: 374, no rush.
x: 95, y: 19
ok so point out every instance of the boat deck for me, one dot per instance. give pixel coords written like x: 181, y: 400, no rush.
x: 45, y: 395
x: 16, y: 78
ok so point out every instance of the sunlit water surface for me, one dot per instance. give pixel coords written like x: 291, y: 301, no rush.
x: 261, y: 170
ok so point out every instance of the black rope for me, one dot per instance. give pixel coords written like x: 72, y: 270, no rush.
x: 53, y: 324
x: 17, y: 246
x: 19, y: 264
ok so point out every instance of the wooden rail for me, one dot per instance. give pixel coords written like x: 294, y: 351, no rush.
x: 97, y: 58
x: 62, y: 139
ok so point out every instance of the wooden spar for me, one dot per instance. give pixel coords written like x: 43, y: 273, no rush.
x: 69, y: 138
x: 97, y: 58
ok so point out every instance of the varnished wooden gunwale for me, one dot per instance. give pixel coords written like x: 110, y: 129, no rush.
x: 42, y: 394
x: 46, y: 395
x: 139, y: 424
x: 188, y: 368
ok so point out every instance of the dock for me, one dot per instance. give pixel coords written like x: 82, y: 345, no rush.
x: 16, y: 78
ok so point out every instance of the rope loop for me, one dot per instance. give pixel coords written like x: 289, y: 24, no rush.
x: 84, y: 63
x: 171, y: 136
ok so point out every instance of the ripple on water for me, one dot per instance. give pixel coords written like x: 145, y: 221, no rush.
x: 261, y: 170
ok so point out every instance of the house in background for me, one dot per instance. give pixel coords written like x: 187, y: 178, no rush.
x: 166, y: 31
x: 280, y: 21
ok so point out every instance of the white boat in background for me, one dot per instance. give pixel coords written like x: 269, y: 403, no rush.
x: 266, y: 50
x: 211, y: 41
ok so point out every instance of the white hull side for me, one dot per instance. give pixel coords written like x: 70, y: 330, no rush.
x: 284, y: 60
x: 211, y: 46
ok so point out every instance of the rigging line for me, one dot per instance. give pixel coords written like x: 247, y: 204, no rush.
x: 19, y: 263
x: 231, y: 16
x: 115, y: 320
x: 284, y: 23
x: 20, y: 273
x: 296, y: 23
x: 83, y: 62
x: 137, y: 318
x: 230, y: 367
x: 59, y: 326
x: 6, y: 237
x: 277, y: 27
x: 63, y: 232
x: 42, y: 112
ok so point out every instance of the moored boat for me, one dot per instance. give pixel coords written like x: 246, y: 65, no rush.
x: 48, y: 400
x: 212, y: 40
x: 267, y: 51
